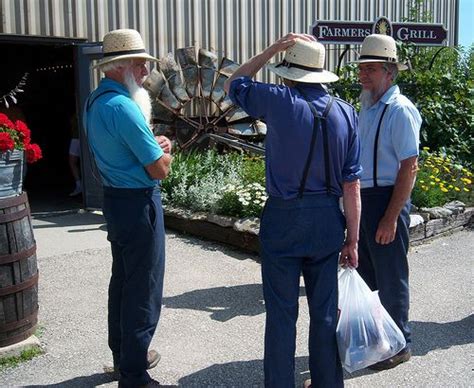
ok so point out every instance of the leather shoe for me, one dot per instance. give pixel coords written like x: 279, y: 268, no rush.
x: 152, y: 357
x: 402, y: 356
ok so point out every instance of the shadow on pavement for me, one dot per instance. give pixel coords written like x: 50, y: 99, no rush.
x: 428, y: 336
x: 70, y: 219
x: 80, y: 381
x: 224, y: 303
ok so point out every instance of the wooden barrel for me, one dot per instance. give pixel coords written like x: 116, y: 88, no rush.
x: 18, y: 271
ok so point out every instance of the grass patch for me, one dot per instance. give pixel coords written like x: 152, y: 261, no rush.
x: 25, y: 355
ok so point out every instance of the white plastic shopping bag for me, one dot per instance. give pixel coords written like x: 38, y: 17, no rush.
x: 366, y: 334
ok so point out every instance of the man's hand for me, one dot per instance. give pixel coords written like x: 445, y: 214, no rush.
x: 164, y: 143
x: 289, y: 40
x: 386, y: 231
x: 349, y: 256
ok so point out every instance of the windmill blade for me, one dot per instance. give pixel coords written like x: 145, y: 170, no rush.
x: 171, y: 71
x: 154, y: 83
x: 187, y: 60
x: 236, y: 115
x: 208, y: 63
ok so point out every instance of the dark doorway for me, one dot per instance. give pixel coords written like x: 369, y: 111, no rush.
x: 48, y: 106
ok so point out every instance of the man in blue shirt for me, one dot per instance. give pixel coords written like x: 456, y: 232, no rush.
x: 312, y: 159
x: 130, y: 162
x: 389, y: 130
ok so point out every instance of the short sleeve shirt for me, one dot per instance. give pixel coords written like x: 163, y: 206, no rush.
x: 120, y: 138
x: 289, y: 123
x: 398, y: 138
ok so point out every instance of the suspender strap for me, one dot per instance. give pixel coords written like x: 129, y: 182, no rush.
x: 327, y: 155
x: 376, y: 146
x: 317, y: 120
x: 94, y: 167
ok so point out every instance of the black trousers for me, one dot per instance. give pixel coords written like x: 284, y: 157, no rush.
x: 136, y: 233
x: 385, y: 267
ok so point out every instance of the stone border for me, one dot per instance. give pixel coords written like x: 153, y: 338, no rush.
x: 243, y: 233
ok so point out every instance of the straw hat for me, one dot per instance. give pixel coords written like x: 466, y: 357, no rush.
x: 379, y: 48
x: 123, y: 44
x: 304, y: 62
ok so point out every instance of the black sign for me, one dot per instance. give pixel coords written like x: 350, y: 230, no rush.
x: 346, y: 32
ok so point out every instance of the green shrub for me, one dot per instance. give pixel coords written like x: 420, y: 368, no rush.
x: 440, y: 180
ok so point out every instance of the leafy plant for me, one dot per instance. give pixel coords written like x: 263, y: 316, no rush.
x: 440, y: 180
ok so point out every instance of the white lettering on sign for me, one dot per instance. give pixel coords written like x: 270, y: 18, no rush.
x: 405, y: 34
x: 325, y: 31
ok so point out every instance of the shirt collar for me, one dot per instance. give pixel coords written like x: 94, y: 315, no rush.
x: 390, y: 95
x: 109, y: 83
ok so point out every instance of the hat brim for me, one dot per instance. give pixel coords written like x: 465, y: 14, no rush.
x: 300, y: 75
x: 400, y: 66
x: 106, y: 60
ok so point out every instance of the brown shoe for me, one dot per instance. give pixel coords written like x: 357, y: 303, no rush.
x: 403, y: 356
x: 152, y: 357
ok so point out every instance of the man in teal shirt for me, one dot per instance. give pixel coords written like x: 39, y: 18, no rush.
x: 130, y: 162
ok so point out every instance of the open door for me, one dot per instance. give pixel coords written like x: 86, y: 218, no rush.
x: 86, y: 80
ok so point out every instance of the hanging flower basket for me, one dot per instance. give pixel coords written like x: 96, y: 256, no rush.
x: 15, y: 145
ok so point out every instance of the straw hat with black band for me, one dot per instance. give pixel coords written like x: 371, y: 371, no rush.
x: 304, y: 62
x: 123, y: 44
x: 380, y: 48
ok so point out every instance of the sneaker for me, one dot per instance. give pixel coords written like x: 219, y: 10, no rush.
x: 153, y: 358
x: 307, y: 384
x: 403, y: 356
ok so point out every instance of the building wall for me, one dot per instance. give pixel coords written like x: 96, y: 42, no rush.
x: 237, y: 29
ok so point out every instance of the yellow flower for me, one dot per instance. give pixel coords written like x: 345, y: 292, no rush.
x: 444, y: 189
x: 432, y: 183
x: 426, y: 148
x: 437, y: 180
x: 466, y: 190
x: 422, y: 181
x: 446, y: 169
x: 457, y: 189
x: 466, y: 180
x: 432, y: 176
x: 436, y: 170
x: 450, y: 186
x: 424, y: 187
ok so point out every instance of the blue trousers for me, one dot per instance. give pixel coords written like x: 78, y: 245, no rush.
x: 385, y: 267
x: 136, y: 233
x: 301, y: 236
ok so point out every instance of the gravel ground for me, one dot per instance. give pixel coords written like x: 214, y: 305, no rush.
x: 211, y: 329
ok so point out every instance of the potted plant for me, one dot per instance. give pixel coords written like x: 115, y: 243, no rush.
x: 15, y: 145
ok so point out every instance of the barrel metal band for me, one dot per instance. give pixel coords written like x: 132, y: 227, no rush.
x: 17, y: 256
x: 14, y: 201
x: 18, y: 338
x: 32, y: 318
x: 9, y: 217
x: 20, y: 286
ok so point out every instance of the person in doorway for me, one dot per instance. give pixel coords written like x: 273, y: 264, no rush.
x: 74, y: 157
x: 389, y: 129
x: 131, y: 163
x: 312, y: 159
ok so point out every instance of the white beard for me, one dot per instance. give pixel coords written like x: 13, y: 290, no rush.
x: 366, y: 99
x: 140, y: 96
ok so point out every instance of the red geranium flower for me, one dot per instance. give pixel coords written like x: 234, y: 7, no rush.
x: 6, y: 142
x: 24, y: 131
x: 33, y: 153
x: 5, y: 121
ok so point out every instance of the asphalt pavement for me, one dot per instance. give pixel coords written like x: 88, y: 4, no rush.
x: 211, y: 328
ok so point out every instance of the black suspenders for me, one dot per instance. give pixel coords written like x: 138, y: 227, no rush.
x: 317, y: 120
x: 376, y: 146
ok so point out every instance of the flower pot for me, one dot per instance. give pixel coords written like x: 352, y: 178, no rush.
x: 11, y: 173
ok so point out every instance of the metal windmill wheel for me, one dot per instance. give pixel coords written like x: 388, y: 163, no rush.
x: 190, y: 105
